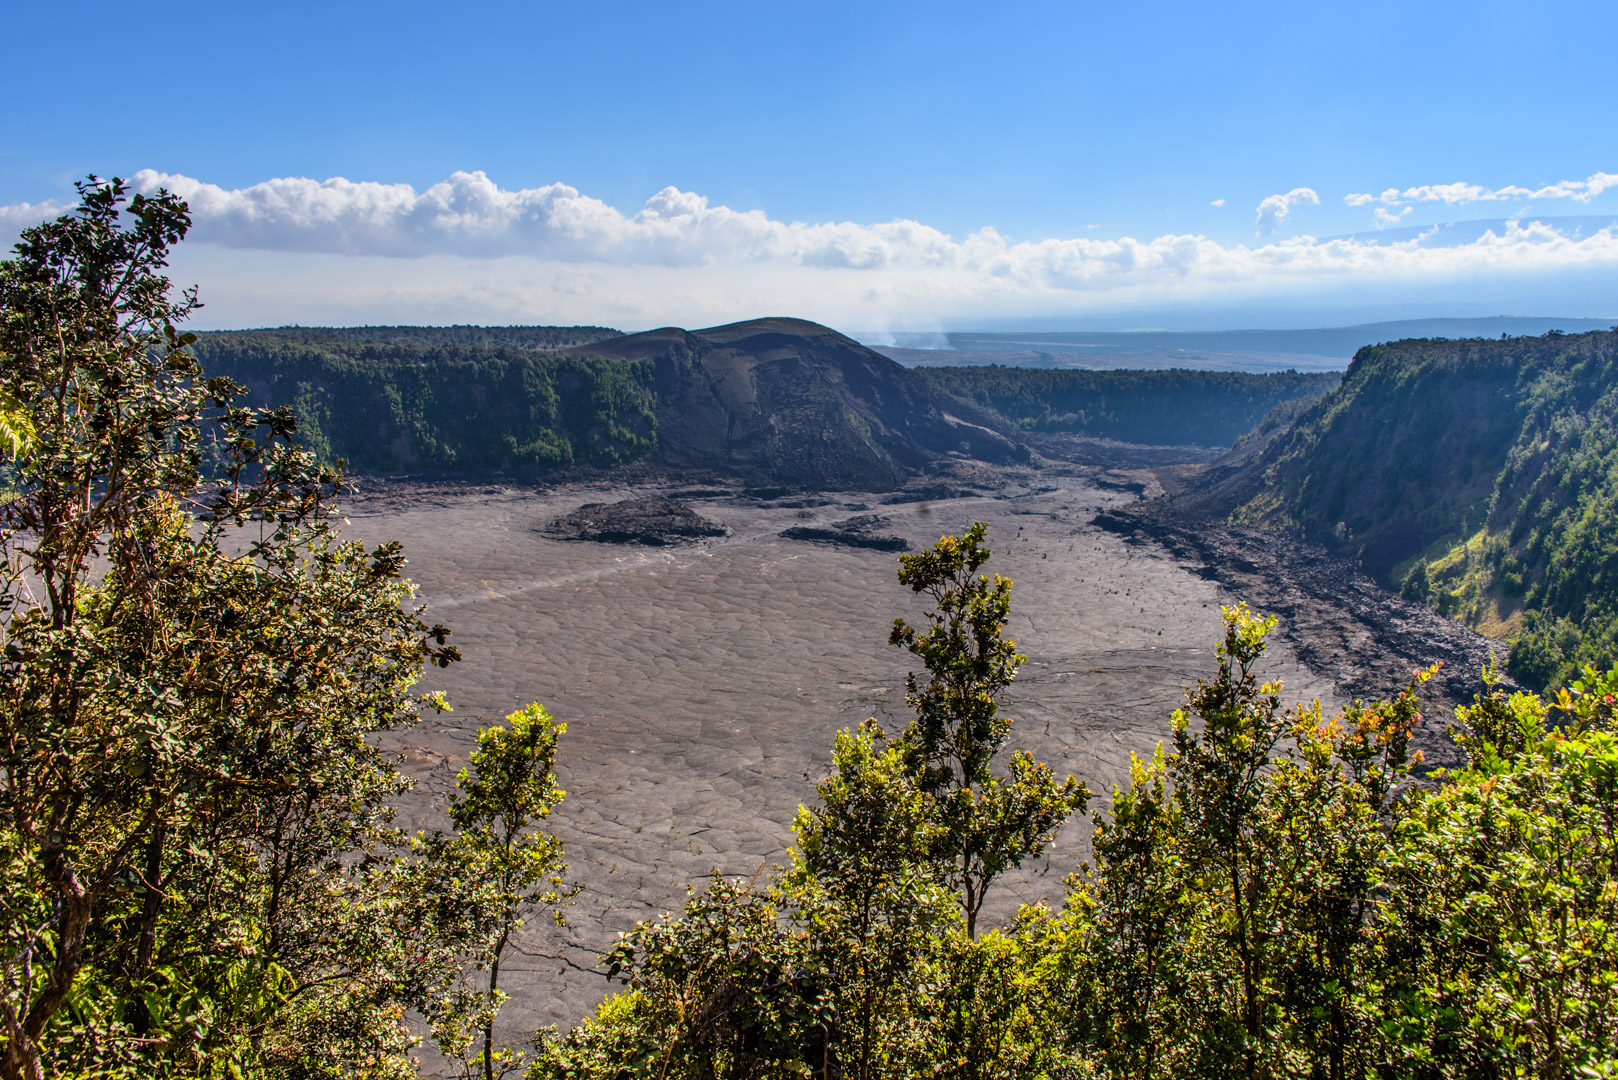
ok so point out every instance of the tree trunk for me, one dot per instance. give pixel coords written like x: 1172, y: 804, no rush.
x: 152, y: 903
x: 1249, y: 992
x: 488, y: 1023
x: 151, y: 908
x: 23, y: 1058
x: 22, y: 1055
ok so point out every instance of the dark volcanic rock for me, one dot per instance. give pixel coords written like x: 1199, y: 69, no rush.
x: 652, y: 520
x: 784, y: 403
x: 860, y: 532
x: 928, y: 493
x: 848, y: 539
x: 1343, y: 624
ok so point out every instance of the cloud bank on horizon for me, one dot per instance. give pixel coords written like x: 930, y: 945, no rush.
x: 1460, y: 193
x: 466, y: 249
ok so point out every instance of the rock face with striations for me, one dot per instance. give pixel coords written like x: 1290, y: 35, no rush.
x: 784, y: 401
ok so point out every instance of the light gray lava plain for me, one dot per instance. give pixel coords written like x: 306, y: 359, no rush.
x: 702, y: 685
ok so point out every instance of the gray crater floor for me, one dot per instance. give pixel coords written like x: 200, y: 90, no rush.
x: 703, y: 684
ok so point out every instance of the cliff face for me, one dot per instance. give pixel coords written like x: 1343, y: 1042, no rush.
x: 1404, y: 454
x: 1478, y: 476
x: 793, y: 403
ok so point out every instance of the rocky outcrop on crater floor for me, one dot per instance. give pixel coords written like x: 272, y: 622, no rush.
x: 860, y: 532
x: 653, y: 520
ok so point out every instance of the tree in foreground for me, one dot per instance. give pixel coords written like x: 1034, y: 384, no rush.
x: 864, y: 958
x: 191, y: 669
x: 1273, y: 895
x: 197, y: 871
x: 496, y: 867
x: 1283, y: 819
x: 863, y: 885
x: 1499, y: 946
x: 988, y: 824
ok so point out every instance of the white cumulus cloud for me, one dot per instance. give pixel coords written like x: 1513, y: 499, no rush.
x: 1274, y: 211
x: 1460, y: 192
x: 1445, y: 193
x: 1217, y: 202
x: 19, y: 216
x: 469, y: 214
x: 304, y: 250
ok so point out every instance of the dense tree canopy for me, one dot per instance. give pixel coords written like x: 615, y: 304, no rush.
x: 197, y: 875
x: 543, y: 338
x: 422, y: 404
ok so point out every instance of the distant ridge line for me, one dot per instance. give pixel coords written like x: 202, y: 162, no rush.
x: 1253, y: 350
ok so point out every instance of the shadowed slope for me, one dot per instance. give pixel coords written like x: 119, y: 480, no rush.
x: 1478, y: 477
x: 784, y: 401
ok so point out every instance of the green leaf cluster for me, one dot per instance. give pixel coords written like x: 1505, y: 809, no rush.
x: 989, y: 824
x: 482, y: 879
x: 864, y: 957
x: 1272, y: 896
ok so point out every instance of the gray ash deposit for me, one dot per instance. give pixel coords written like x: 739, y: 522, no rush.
x: 704, y: 683
x: 652, y: 520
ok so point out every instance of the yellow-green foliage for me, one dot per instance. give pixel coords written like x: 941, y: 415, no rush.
x: 1270, y: 898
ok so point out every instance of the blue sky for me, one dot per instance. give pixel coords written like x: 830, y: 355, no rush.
x: 869, y: 164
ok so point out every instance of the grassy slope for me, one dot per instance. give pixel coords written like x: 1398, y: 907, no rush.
x: 1478, y: 475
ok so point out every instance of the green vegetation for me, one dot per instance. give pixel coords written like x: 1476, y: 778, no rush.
x: 198, y: 876
x: 982, y: 825
x: 1477, y: 476
x: 1206, y: 408
x: 197, y: 872
x: 1270, y: 898
x: 496, y: 867
x: 470, y: 400
x: 402, y: 405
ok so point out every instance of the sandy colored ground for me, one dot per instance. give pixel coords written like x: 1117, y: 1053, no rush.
x: 702, y: 685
